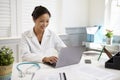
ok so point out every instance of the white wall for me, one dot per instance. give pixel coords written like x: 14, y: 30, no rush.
x: 77, y: 13
x: 96, y: 12
x: 74, y: 13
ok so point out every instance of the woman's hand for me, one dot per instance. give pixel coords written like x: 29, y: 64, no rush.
x: 52, y: 59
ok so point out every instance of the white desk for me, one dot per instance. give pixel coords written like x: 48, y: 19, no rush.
x: 113, y: 48
x: 79, y: 71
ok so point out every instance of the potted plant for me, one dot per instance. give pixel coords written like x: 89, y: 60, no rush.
x: 109, y: 36
x: 6, y: 62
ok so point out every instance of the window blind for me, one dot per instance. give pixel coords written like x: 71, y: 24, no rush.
x: 5, y: 18
x: 28, y: 7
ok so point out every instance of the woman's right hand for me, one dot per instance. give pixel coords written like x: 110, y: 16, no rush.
x: 51, y: 59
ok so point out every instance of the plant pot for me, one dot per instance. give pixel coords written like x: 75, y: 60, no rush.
x: 5, y: 72
x: 109, y: 41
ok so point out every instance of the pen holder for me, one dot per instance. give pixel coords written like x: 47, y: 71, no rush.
x: 114, y: 62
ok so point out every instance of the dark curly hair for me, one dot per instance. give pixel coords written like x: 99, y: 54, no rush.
x: 38, y: 11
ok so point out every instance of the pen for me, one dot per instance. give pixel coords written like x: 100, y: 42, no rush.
x: 32, y: 76
x: 60, y: 76
x: 64, y: 76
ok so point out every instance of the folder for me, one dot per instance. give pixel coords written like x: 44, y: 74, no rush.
x: 114, y: 62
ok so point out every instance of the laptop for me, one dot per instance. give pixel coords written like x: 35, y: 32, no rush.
x: 68, y: 56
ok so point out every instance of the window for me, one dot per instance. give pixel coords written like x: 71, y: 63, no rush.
x: 112, y: 16
x: 5, y: 18
x: 8, y: 18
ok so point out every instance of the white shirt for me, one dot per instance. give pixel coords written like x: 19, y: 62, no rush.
x: 32, y: 50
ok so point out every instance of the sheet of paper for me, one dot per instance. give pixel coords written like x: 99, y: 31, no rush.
x: 76, y: 72
x: 96, y: 72
x: 69, y: 76
x: 47, y: 76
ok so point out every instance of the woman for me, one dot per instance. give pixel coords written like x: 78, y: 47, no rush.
x: 38, y: 43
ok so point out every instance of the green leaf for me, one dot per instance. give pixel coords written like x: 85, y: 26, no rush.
x: 6, y: 56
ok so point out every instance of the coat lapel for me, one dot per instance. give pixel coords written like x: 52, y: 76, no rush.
x: 45, y: 38
x: 44, y: 42
x: 34, y: 39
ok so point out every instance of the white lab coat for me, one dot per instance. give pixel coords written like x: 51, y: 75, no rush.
x: 32, y: 50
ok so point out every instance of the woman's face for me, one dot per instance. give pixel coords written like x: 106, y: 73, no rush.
x: 42, y: 22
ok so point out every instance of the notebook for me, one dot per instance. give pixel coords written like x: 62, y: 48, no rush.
x: 68, y: 56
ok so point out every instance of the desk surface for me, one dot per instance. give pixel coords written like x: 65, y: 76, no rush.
x: 79, y: 71
x: 115, y: 47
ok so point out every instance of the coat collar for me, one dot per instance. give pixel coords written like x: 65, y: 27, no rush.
x: 33, y: 37
x: 32, y: 33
